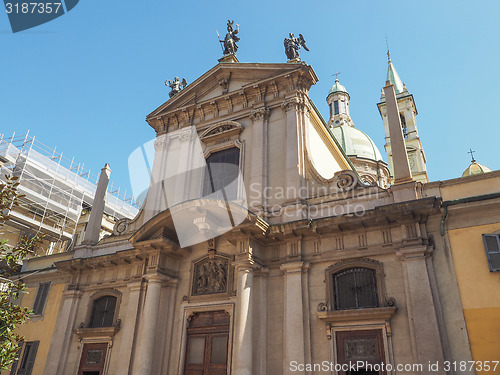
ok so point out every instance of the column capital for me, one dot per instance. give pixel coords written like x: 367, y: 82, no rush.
x: 158, y: 278
x: 72, y: 293
x: 246, y: 265
x: 187, y: 134
x: 162, y: 142
x: 134, y: 286
x: 294, y: 267
x: 258, y: 114
x: 409, y: 253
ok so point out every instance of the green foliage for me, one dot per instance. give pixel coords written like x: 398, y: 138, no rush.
x: 11, y: 314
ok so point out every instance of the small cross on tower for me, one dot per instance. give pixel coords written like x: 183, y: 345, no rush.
x: 336, y: 75
x: 471, y: 152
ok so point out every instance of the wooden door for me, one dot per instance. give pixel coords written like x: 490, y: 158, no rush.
x: 93, y: 359
x: 366, y: 346
x: 207, y: 344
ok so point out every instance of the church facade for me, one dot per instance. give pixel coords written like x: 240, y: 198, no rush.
x: 270, y: 241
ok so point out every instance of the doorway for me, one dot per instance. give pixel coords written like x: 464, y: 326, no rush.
x: 93, y: 359
x: 365, y: 346
x: 207, y: 343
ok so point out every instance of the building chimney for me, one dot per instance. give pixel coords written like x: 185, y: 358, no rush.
x: 94, y: 224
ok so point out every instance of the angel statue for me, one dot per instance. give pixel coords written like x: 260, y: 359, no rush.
x: 230, y: 40
x: 175, y: 85
x: 292, y: 46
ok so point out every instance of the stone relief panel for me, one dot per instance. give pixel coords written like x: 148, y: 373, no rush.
x: 360, y: 349
x: 210, y: 276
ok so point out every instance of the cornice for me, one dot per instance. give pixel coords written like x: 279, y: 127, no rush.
x: 248, y: 96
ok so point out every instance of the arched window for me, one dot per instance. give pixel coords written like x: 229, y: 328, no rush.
x: 103, y: 312
x: 355, y: 288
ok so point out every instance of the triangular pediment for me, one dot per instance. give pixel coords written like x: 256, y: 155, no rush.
x: 228, y: 78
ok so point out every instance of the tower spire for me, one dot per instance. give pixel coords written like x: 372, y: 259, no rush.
x: 407, y: 111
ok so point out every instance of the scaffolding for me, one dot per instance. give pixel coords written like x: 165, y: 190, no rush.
x: 55, y: 189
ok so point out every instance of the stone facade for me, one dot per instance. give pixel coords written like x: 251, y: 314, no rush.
x: 266, y: 296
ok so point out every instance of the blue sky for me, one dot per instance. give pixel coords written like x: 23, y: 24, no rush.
x: 86, y: 81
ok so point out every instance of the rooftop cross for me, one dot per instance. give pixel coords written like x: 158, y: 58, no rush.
x: 336, y: 75
x: 471, y: 152
x: 388, y: 52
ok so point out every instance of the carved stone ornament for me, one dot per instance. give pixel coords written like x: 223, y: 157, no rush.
x: 120, y: 227
x: 223, y: 129
x: 161, y: 142
x: 360, y: 349
x: 218, y: 130
x: 187, y: 134
x: 259, y: 114
x: 210, y: 276
x: 346, y: 180
x: 322, y: 306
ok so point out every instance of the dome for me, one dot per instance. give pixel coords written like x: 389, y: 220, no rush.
x: 356, y: 143
x: 337, y: 87
x: 474, y: 169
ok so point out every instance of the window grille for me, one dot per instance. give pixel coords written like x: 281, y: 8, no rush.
x: 355, y: 288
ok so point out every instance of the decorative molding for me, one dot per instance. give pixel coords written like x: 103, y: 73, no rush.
x: 220, y: 130
x: 260, y: 114
x: 345, y: 181
x: 101, y: 332
x: 121, y: 226
x: 161, y: 142
x: 344, y: 316
x: 292, y: 104
x: 187, y: 135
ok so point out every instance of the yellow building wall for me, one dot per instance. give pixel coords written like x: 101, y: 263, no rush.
x: 479, y: 291
x: 41, y: 328
x: 470, y: 187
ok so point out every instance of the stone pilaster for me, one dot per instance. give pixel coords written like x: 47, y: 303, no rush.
x: 243, y: 329
x: 143, y: 356
x: 129, y: 325
x: 258, y: 167
x: 155, y: 201
x: 293, y: 329
x: 424, y: 330
x: 295, y: 109
x: 60, y: 344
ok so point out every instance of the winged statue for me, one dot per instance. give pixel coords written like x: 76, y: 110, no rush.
x: 292, y: 46
x: 176, y: 85
x: 230, y: 40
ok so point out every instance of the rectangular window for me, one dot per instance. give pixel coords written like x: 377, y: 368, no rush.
x: 27, y: 360
x: 221, y: 175
x: 492, y: 247
x: 41, y: 298
x: 336, y: 106
x: 331, y: 112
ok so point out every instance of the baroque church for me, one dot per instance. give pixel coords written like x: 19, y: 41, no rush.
x: 270, y: 241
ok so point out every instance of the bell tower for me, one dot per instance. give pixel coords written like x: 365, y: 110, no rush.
x: 407, y: 113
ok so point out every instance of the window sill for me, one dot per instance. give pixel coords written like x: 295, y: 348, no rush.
x: 36, y: 317
x: 342, y: 316
x: 84, y: 333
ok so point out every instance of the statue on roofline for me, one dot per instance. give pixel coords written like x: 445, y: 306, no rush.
x: 176, y: 86
x: 230, y: 40
x: 292, y: 46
